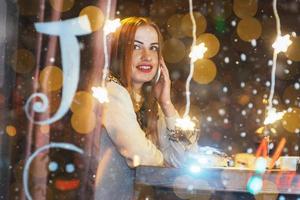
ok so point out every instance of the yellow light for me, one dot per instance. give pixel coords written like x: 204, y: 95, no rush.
x: 198, y: 51
x: 185, y: 124
x: 260, y: 130
x: 100, y: 94
x: 111, y: 26
x: 282, y: 43
x: 273, y: 116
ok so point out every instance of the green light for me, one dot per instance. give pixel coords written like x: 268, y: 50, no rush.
x: 254, y: 184
x: 220, y: 25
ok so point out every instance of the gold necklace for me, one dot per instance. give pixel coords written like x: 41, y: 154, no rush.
x: 137, y: 101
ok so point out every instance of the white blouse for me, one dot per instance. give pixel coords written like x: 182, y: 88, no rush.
x: 122, y: 126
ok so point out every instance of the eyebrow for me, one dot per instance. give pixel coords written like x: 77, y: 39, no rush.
x: 154, y: 43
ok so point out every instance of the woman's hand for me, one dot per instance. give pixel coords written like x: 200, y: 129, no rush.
x: 162, y: 90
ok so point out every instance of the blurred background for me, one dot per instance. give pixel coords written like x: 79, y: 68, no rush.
x: 229, y: 89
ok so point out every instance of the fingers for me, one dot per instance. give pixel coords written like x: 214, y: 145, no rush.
x: 164, y: 68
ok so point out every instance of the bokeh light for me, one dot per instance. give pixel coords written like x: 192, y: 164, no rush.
x: 187, y: 25
x: 62, y: 5
x: 173, y: 50
x: 245, y: 8
x: 249, y: 29
x: 83, y: 99
x: 51, y: 78
x: 23, y: 61
x: 294, y: 49
x: 243, y: 99
x: 260, y: 165
x: 211, y: 43
x: 205, y: 71
x: 44, y: 129
x: 291, y: 120
x: 255, y: 184
x: 11, y: 130
x: 83, y: 121
x: 95, y: 16
x: 173, y: 26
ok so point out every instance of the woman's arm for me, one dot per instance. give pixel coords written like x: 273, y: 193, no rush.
x: 120, y: 121
x: 174, y: 152
x: 162, y: 91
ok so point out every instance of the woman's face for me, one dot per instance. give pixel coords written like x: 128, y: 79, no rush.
x: 145, y: 59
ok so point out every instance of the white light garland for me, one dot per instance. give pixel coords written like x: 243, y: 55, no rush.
x: 273, y: 116
x: 185, y: 123
x: 197, y: 52
x: 187, y: 85
x: 110, y: 26
x: 100, y: 93
x: 280, y: 45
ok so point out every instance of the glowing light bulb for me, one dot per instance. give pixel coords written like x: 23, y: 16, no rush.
x: 195, y: 168
x: 185, y: 124
x: 197, y: 52
x: 100, y: 94
x: 111, y: 26
x: 282, y: 43
x: 273, y: 116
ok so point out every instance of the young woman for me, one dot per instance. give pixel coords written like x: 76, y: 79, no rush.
x: 140, y: 117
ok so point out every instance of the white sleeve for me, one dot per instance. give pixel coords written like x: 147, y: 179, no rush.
x: 174, y: 152
x: 120, y: 121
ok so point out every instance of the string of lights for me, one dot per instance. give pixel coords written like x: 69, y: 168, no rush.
x: 281, y: 44
x: 100, y: 93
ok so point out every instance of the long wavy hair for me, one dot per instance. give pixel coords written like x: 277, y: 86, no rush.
x: 121, y: 67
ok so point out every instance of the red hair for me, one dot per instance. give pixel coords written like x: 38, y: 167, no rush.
x: 121, y: 66
x: 122, y: 47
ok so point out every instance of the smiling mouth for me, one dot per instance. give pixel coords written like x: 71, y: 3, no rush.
x: 65, y: 185
x: 145, y: 68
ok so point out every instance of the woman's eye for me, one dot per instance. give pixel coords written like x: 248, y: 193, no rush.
x: 135, y: 46
x: 155, y: 48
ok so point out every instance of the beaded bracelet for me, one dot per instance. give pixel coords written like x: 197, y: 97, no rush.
x: 179, y: 135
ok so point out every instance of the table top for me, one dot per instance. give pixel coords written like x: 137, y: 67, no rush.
x: 219, y: 179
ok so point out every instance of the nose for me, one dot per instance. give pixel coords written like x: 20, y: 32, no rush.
x: 146, y: 55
